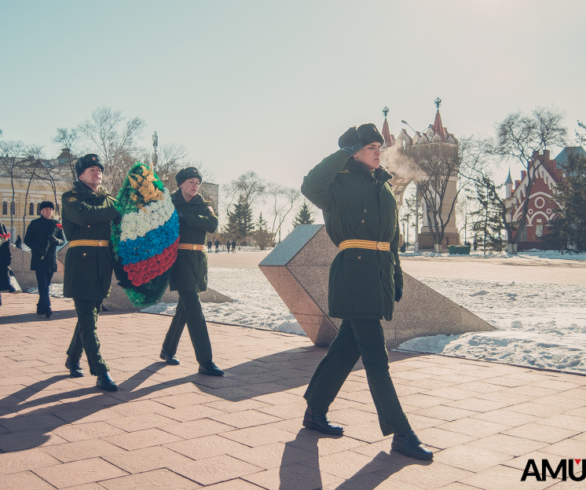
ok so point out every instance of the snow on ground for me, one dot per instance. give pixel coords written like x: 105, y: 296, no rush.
x: 540, y: 325
x: 529, y: 254
x: 256, y: 303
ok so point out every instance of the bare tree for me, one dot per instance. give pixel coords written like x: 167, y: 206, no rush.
x: 114, y: 139
x: 30, y: 168
x: 439, y: 164
x: 10, y: 163
x: 521, y: 137
x: 69, y: 138
x: 283, y: 202
x: 171, y: 158
x: 581, y: 133
x: 249, y: 185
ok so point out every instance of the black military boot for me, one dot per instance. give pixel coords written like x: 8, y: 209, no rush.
x: 210, y: 369
x: 74, y: 368
x: 105, y: 382
x: 319, y: 421
x: 409, y: 444
x: 48, y: 313
x: 171, y: 360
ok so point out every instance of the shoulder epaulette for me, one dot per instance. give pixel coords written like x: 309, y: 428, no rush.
x: 345, y: 171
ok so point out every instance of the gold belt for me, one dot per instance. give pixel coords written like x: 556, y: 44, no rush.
x: 89, y: 243
x: 367, y: 244
x: 191, y: 246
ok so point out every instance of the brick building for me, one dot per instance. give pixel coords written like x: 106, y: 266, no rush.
x: 542, y: 204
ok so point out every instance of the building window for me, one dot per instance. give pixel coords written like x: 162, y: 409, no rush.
x: 31, y: 209
x: 4, y: 207
x: 12, y: 208
x: 39, y: 209
x: 539, y: 230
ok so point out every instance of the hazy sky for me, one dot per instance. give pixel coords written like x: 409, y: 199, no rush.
x: 270, y: 85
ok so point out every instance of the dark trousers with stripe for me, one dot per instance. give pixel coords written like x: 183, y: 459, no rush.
x: 358, y: 338
x: 189, y: 312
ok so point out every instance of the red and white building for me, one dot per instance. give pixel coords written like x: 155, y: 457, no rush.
x: 542, y: 204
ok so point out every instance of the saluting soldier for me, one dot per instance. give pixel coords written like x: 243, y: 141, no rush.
x: 189, y: 274
x: 43, y: 236
x: 360, y: 214
x: 88, y: 211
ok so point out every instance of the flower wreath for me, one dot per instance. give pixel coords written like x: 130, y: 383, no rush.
x: 145, y: 241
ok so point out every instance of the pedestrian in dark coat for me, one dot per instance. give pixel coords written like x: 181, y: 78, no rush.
x: 228, y: 246
x: 18, y: 243
x: 209, y: 246
x: 88, y: 211
x: 5, y: 261
x: 43, y: 236
x: 360, y: 214
x: 217, y: 244
x: 233, y: 246
x: 189, y: 274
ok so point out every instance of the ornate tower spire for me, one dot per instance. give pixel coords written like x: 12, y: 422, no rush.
x: 388, y: 137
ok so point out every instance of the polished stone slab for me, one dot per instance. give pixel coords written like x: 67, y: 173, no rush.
x: 298, y: 269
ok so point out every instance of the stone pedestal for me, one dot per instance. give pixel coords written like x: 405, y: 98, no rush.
x: 298, y: 269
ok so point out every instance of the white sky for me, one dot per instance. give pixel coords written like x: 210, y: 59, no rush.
x: 270, y: 85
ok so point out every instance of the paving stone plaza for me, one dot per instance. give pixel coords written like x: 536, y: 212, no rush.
x: 167, y: 427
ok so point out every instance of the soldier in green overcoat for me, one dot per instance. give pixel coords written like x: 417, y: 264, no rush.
x: 189, y: 274
x: 360, y: 214
x: 88, y: 211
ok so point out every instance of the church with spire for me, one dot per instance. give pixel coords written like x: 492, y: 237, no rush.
x: 405, y: 171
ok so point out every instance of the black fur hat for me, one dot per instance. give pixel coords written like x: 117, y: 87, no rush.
x: 46, y: 204
x: 188, y: 173
x: 90, y: 160
x: 365, y: 134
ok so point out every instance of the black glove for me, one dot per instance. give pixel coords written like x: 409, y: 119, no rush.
x: 118, y: 219
x: 350, y: 142
x: 53, y: 239
x: 182, y: 218
x: 398, y: 294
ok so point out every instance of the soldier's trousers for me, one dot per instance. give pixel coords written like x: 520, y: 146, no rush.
x: 85, y: 336
x: 189, y: 311
x: 358, y: 338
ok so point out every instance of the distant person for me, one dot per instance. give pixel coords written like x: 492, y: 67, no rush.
x: 217, y: 245
x: 228, y: 246
x: 210, y: 246
x: 18, y: 243
x: 43, y: 236
x: 233, y: 246
x: 360, y: 213
x: 475, y: 245
x: 189, y: 273
x: 5, y: 261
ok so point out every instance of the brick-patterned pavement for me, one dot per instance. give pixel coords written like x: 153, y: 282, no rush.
x: 170, y: 428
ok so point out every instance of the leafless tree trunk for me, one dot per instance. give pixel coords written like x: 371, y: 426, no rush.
x: 438, y: 164
x: 30, y: 168
x: 283, y: 202
x: 10, y: 164
x: 113, y: 138
x: 249, y: 185
x: 69, y: 138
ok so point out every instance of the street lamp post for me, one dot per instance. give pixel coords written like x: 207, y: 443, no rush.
x: 155, y: 146
x: 416, y: 243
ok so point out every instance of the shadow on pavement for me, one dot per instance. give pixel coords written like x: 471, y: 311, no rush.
x: 44, y: 414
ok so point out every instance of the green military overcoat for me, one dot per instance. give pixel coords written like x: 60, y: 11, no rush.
x: 87, y: 216
x: 190, y: 270
x: 358, y: 204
